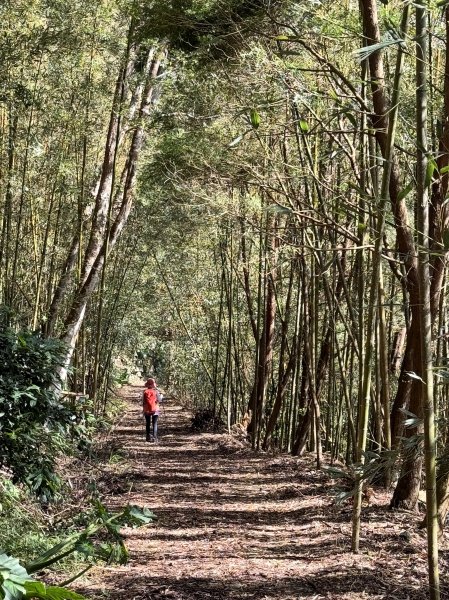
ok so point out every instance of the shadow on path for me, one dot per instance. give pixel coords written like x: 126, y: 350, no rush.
x: 233, y: 524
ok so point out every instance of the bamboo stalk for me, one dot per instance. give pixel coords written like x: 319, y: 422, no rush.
x: 422, y: 196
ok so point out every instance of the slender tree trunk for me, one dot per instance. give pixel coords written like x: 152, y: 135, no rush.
x: 406, y: 490
x: 266, y: 340
x: 7, y: 217
x: 426, y: 313
x: 388, y: 140
x: 439, y: 223
x: 283, y: 372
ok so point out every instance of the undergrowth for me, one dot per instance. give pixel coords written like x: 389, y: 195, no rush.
x: 29, y: 528
x: 24, y: 527
x: 205, y: 420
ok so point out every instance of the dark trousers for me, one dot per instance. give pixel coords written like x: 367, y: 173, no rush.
x: 151, y: 423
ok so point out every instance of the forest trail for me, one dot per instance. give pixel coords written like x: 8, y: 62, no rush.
x: 237, y: 525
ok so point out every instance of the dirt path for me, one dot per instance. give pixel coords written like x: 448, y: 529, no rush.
x: 235, y: 525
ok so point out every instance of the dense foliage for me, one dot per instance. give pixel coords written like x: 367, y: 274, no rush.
x: 247, y: 197
x: 35, y: 426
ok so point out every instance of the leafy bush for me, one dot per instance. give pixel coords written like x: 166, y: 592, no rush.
x: 16, y: 581
x: 34, y: 425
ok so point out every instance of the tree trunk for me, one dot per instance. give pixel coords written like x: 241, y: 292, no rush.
x: 405, y: 242
x: 283, y: 372
x: 439, y: 217
x: 426, y: 371
x: 92, y: 268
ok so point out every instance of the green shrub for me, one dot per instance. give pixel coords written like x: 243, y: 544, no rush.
x: 16, y: 580
x: 35, y: 426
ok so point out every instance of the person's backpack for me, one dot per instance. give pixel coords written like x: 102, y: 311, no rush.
x: 150, y: 401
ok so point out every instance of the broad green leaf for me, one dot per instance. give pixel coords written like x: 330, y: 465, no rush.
x: 22, y: 341
x: 35, y: 589
x: 351, y: 118
x: 12, y: 578
x: 336, y: 473
x: 412, y: 422
x: 363, y: 53
x: 141, y: 515
x: 362, y: 193
x: 12, y: 590
x: 304, y: 126
x: 85, y: 547
x: 342, y: 496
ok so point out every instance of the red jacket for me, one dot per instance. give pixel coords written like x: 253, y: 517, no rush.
x: 151, y: 399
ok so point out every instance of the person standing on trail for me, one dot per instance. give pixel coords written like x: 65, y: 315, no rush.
x: 151, y: 401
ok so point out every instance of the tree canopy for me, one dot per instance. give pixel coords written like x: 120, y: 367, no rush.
x: 247, y: 199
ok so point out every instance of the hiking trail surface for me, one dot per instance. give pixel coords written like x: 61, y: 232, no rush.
x: 234, y: 524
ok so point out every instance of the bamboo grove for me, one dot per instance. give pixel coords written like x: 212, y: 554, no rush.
x: 250, y: 197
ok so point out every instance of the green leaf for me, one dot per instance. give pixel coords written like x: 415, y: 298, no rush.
x: 412, y: 420
x: 304, y: 126
x: 340, y: 497
x: 359, y: 190
x: 22, y: 341
x: 12, y: 578
x: 86, y: 548
x: 445, y: 169
x: 336, y: 473
x: 352, y: 119
x: 12, y: 590
x: 405, y: 192
x: 431, y: 168
x: 139, y: 515
x: 36, y: 589
x: 363, y: 53
x: 255, y: 118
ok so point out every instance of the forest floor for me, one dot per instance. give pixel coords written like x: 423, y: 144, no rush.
x: 234, y: 524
